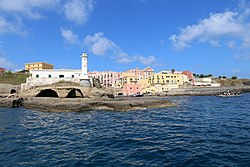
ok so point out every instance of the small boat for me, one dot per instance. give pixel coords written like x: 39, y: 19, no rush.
x: 229, y: 93
x: 138, y: 95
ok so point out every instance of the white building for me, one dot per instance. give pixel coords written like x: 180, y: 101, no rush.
x: 50, y: 76
x: 206, y: 82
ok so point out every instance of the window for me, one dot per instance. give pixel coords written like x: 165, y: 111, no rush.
x: 37, y: 76
x: 61, y: 76
x: 49, y: 76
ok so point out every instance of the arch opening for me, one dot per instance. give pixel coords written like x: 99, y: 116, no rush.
x: 47, y: 93
x: 12, y: 91
x: 75, y: 93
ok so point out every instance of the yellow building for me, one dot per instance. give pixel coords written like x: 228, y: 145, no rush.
x: 161, y: 83
x: 38, y: 66
x: 144, y: 83
x: 159, y: 88
x: 166, y: 78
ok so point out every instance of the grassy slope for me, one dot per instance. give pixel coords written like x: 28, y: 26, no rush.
x: 14, y: 78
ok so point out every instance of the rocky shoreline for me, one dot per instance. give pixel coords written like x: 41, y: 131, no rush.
x: 49, y: 104
x: 94, y: 100
x: 209, y: 91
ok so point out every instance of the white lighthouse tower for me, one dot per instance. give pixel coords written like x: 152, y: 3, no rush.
x: 84, y: 57
x: 84, y: 79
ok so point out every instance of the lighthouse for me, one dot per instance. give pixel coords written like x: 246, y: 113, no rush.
x: 84, y: 57
x: 84, y: 79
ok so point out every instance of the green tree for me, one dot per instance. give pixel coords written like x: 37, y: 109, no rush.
x: 234, y: 77
x: 202, y: 76
x: 210, y: 75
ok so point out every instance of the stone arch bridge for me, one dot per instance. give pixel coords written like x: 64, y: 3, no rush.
x: 59, y: 92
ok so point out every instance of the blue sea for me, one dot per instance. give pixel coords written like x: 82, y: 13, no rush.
x: 198, y: 131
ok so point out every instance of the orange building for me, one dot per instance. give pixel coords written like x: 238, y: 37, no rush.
x: 38, y: 66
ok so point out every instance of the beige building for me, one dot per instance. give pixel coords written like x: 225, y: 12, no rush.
x: 167, y: 78
x: 161, y: 83
x: 38, y: 66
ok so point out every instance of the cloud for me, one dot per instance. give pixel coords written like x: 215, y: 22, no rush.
x: 235, y: 71
x: 242, y: 57
x: 78, y: 10
x: 69, y: 36
x: 5, y: 63
x: 99, y: 45
x: 230, y: 24
x: 231, y: 44
x: 13, y: 12
x: 7, y: 27
x: 29, y: 8
x: 145, y: 60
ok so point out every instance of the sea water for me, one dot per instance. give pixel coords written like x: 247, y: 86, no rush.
x: 198, y: 131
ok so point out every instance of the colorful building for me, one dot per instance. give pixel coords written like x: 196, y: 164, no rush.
x: 132, y: 89
x: 166, y: 77
x: 161, y: 83
x: 135, y: 80
x: 38, y: 66
x: 107, y: 78
x: 159, y: 88
x: 135, y: 75
x: 190, y: 76
x: 2, y: 70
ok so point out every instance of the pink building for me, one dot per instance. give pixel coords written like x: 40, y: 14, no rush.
x: 131, y: 89
x: 2, y: 70
x: 140, y: 74
x: 190, y: 75
x: 106, y: 78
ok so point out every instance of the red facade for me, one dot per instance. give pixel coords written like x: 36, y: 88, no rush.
x: 1, y: 71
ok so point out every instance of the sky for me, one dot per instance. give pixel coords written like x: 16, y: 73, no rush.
x: 204, y: 37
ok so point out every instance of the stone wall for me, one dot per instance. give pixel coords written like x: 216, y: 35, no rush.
x: 34, y: 82
x: 6, y: 88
